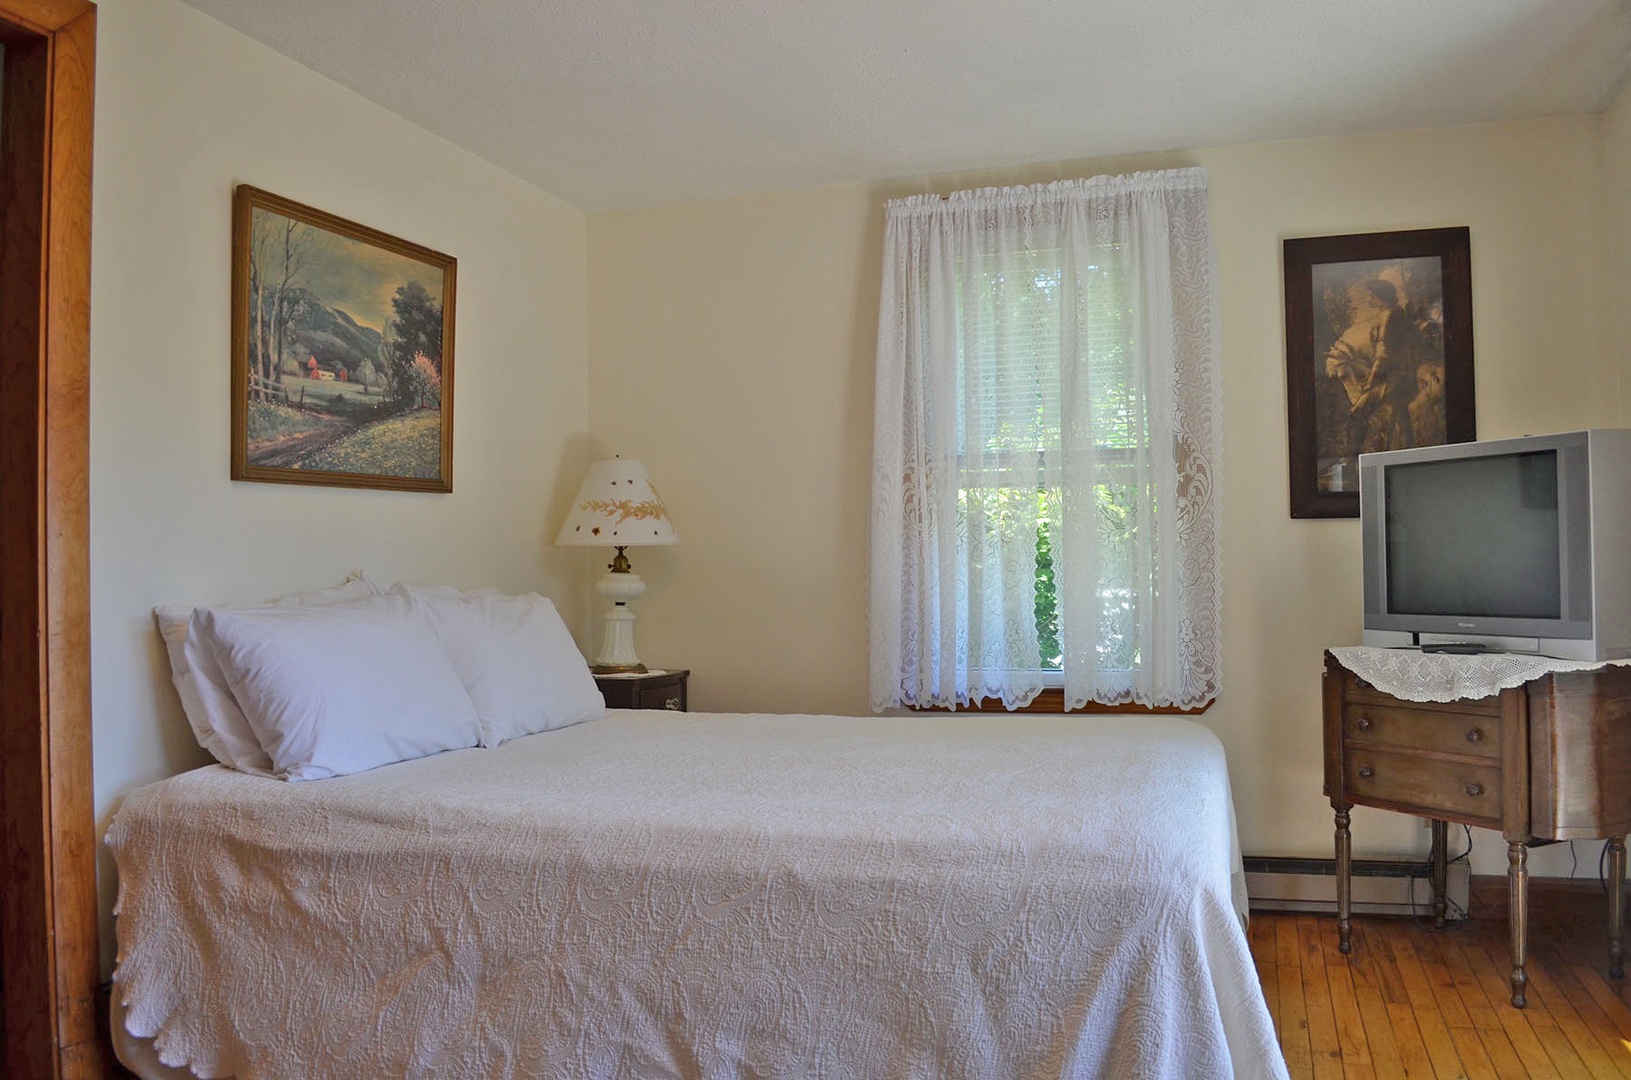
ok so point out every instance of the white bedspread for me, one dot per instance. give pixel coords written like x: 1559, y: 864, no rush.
x: 662, y: 895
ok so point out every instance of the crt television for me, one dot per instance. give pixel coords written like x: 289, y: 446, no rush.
x: 1518, y: 545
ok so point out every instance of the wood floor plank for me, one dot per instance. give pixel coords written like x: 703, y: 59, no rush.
x: 1287, y: 949
x: 1409, y: 966
x: 1344, y: 1004
x: 1572, y: 1024
x: 1473, y: 1059
x: 1293, y: 1007
x: 1604, y: 991
x: 1441, y: 1047
x: 1268, y: 977
x: 1503, y: 1056
x: 1510, y: 1025
x: 1430, y: 1023
x: 1596, y: 1022
x: 1384, y: 1051
x: 1375, y: 943
x: 1260, y: 933
x: 1440, y: 981
x: 1620, y: 988
x: 1407, y: 1037
x: 1322, y: 1028
x: 1480, y: 1010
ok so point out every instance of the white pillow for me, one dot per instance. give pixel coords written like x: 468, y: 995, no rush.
x: 426, y: 590
x: 517, y: 660
x: 217, y: 722
x: 343, y: 688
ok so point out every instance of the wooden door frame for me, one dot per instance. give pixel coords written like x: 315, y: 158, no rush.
x: 48, y: 923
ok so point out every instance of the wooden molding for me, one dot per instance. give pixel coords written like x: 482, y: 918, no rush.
x: 50, y: 908
x: 30, y: 977
x: 39, y: 18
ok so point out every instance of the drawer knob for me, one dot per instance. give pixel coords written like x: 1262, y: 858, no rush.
x: 1475, y: 790
x: 1474, y: 735
x: 1366, y: 772
x: 672, y: 703
x: 1363, y: 723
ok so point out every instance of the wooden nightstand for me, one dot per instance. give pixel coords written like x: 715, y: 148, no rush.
x: 654, y: 691
x: 1540, y: 762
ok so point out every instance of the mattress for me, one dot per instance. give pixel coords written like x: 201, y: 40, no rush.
x: 706, y: 895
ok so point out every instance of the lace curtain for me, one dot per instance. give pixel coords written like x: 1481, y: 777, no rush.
x: 1047, y: 392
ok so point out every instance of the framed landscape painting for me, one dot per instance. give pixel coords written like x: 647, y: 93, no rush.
x: 342, y: 351
x: 1378, y: 355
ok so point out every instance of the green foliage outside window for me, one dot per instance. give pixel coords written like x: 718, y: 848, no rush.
x: 1047, y: 600
x: 1011, y: 377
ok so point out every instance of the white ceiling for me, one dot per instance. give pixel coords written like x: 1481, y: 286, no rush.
x: 618, y: 103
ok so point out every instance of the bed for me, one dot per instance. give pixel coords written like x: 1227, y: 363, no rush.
x: 704, y: 895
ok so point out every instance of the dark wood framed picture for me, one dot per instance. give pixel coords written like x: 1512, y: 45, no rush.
x: 1378, y: 355
x: 342, y: 351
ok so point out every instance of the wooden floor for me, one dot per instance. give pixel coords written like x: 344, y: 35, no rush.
x: 1412, y: 1002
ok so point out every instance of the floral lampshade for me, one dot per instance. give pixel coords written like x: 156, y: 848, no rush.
x: 617, y: 507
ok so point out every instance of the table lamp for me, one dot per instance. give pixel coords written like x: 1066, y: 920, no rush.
x: 617, y: 507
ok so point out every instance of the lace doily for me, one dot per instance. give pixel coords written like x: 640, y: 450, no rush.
x: 1417, y: 676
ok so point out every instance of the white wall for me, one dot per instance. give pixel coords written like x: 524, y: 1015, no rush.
x: 732, y: 350
x: 187, y: 108
x: 1616, y: 128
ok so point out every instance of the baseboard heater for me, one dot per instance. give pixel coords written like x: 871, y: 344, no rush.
x: 1380, y: 886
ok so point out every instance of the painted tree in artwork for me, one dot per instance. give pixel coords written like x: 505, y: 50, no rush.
x: 427, y: 382
x: 415, y: 334
x: 292, y: 243
x: 260, y: 244
x: 277, y: 256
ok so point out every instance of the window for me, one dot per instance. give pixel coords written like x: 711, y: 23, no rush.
x: 1014, y: 360
x: 1044, y: 447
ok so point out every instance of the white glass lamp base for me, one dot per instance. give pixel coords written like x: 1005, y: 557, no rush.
x: 617, y: 648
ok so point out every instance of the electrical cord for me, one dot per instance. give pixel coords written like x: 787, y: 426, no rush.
x: 1460, y: 912
x: 1463, y: 857
x: 1454, y: 913
x: 1452, y: 910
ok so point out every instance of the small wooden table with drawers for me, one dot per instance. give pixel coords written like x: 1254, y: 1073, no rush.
x: 655, y: 690
x: 1548, y: 760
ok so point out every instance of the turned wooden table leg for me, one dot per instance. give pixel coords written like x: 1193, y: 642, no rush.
x: 1344, y: 891
x: 1517, y: 880
x: 1441, y: 871
x: 1616, y: 906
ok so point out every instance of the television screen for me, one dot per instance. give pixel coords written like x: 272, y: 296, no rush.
x: 1475, y: 537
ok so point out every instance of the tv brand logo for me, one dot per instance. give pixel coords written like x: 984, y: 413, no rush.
x: 1466, y: 625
